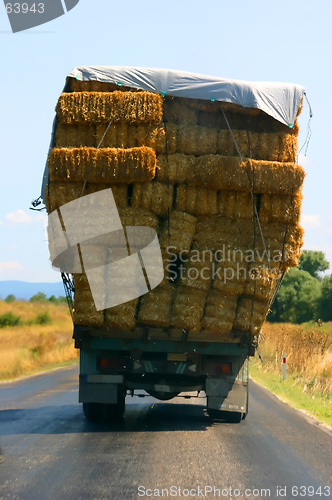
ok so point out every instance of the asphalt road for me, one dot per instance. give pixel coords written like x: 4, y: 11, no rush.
x: 49, y: 451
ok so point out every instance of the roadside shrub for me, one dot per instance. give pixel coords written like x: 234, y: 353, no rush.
x: 43, y: 318
x: 10, y: 298
x: 9, y: 319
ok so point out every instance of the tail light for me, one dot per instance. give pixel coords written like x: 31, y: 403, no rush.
x: 112, y: 364
x: 213, y: 368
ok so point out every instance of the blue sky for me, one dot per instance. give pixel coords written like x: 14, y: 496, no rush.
x: 280, y: 40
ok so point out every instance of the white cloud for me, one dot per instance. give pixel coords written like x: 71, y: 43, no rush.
x: 310, y: 221
x: 303, y: 160
x: 11, y: 247
x: 22, y: 217
x: 329, y: 231
x: 12, y: 270
x: 1, y: 222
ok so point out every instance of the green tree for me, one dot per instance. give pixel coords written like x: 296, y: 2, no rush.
x: 10, y: 298
x: 59, y: 300
x: 39, y: 297
x: 325, y: 300
x: 313, y: 262
x: 298, y: 298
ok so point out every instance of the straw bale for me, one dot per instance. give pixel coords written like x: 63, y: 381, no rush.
x: 174, y: 168
x: 110, y: 140
x: 137, y: 217
x: 178, y: 232
x: 251, y: 315
x: 188, y: 309
x: 221, y: 172
x: 280, y: 208
x: 226, y: 146
x: 260, y: 306
x: 122, y: 316
x: 81, y: 86
x: 177, y: 110
x: 196, y: 200
x: 155, y: 308
x: 288, y: 147
x: 153, y: 196
x: 196, y: 272
x: 276, y: 177
x: 215, y: 232
x: 220, y: 312
x: 235, y: 204
x: 102, y: 165
x: 155, y: 137
x: 101, y: 107
x: 85, y: 312
x: 212, y: 324
x: 61, y: 193
x: 196, y: 140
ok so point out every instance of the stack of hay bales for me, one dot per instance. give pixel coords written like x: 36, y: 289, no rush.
x: 173, y: 165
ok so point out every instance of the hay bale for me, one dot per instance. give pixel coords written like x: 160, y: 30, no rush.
x: 177, y: 110
x: 153, y: 196
x: 137, y: 217
x: 157, y: 137
x: 280, y: 208
x: 276, y: 177
x: 196, y: 200
x: 129, y: 136
x: 250, y: 315
x: 85, y: 312
x: 102, y: 107
x: 105, y: 165
x: 122, y: 316
x: 174, y: 168
x: 59, y: 194
x: 178, y: 232
x: 196, y: 271
x: 235, y: 204
x: 74, y: 136
x: 155, y: 308
x: 188, y: 308
x: 220, y: 312
x: 196, y: 140
x: 217, y: 232
x: 222, y: 172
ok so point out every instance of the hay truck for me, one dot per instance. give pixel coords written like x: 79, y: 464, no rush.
x: 205, y: 165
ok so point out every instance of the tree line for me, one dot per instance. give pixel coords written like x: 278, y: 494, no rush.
x: 305, y: 294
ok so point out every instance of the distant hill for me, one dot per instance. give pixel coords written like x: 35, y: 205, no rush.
x: 25, y: 290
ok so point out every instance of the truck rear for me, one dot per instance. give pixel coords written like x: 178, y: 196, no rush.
x: 174, y: 204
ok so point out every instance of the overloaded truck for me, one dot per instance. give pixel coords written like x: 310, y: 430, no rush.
x: 174, y: 204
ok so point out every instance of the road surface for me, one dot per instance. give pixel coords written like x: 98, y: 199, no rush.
x: 49, y: 451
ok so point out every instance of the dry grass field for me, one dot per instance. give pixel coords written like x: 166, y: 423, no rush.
x: 308, y: 349
x: 43, y: 337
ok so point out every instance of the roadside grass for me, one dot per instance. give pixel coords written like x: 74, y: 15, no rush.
x: 308, y: 349
x: 42, y: 338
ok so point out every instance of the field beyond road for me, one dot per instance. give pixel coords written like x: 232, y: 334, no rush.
x: 308, y: 349
x: 38, y: 335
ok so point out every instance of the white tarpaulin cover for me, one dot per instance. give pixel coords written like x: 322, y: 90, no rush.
x: 279, y: 100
